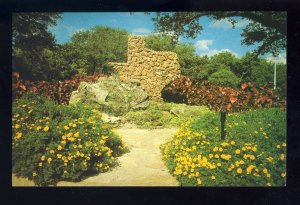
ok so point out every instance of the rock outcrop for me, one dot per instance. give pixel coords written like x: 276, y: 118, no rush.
x: 111, y: 95
x: 153, y: 69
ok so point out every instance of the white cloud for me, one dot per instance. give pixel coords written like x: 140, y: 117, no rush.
x: 78, y: 30
x: 225, y: 24
x: 280, y: 59
x: 141, y: 30
x: 203, y: 44
x: 212, y: 52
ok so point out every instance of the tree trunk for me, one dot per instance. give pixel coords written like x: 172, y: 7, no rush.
x: 223, y: 120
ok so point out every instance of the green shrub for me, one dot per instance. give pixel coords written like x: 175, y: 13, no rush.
x: 253, y: 154
x: 159, y: 115
x: 224, y: 77
x: 54, y: 142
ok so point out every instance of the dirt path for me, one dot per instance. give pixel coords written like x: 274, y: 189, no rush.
x: 142, y: 166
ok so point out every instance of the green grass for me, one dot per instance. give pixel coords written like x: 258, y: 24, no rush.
x: 253, y: 153
x: 158, y: 115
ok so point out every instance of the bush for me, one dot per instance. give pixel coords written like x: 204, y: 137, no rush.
x: 254, y: 153
x: 59, y: 91
x: 54, y: 142
x: 224, y: 77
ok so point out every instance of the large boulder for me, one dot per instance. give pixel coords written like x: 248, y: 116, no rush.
x: 111, y: 95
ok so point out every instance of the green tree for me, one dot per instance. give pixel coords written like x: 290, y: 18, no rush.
x: 100, y: 45
x: 267, y: 28
x: 224, y: 77
x: 30, y: 40
x: 224, y: 58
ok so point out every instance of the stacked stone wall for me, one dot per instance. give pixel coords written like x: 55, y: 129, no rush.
x: 153, y: 69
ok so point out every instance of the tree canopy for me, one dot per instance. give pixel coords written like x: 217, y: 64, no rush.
x: 266, y: 28
x: 31, y: 41
x: 30, y: 30
x: 100, y: 45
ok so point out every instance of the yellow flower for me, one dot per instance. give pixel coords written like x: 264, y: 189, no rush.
x: 199, y: 181
x: 76, y: 134
x: 252, y: 157
x: 66, y: 127
x: 19, y: 135
x: 210, y: 156
x: 59, y: 156
x: 239, y: 170
x: 215, y: 149
x: 232, y: 142
x: 40, y: 164
x: 216, y: 156
x: 283, y: 174
x: 80, y: 146
x: 220, y: 149
x: 249, y: 169
x: 34, y: 174
x: 49, y: 160
x: 46, y: 128
x: 69, y: 134
x: 94, y: 110
x: 17, y: 126
x: 38, y: 128
x: 265, y: 170
x: 59, y: 147
x: 237, y: 151
x: 284, y: 144
x: 278, y: 146
x: 282, y: 156
x: 268, y: 184
x: 51, y: 151
x: 65, y: 172
x: 254, y: 149
x: 224, y: 144
x: 218, y: 164
x: 243, y: 148
x: 72, y: 139
x: 213, y: 177
x: 43, y: 158
x: 268, y: 175
x: 229, y: 169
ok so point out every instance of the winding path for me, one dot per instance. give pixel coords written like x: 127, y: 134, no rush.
x: 142, y: 166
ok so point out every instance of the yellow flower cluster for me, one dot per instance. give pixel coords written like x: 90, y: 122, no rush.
x: 192, y: 156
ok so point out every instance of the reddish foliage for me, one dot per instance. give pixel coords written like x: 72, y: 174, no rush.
x: 59, y: 91
x: 218, y: 98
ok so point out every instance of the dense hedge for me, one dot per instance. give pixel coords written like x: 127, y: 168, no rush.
x: 59, y: 91
x: 54, y: 142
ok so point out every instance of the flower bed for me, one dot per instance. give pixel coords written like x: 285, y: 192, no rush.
x: 54, y: 142
x: 253, y: 154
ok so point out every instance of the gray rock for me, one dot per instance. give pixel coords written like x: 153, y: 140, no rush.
x: 111, y: 119
x: 111, y: 95
x: 186, y: 111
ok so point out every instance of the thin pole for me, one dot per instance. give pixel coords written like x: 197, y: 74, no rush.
x: 275, y: 76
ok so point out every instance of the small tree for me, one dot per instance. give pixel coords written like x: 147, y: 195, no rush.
x: 221, y: 99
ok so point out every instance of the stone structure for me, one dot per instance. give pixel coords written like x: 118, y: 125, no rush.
x: 153, y: 69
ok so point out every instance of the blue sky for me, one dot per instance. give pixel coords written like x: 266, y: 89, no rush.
x: 216, y: 36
